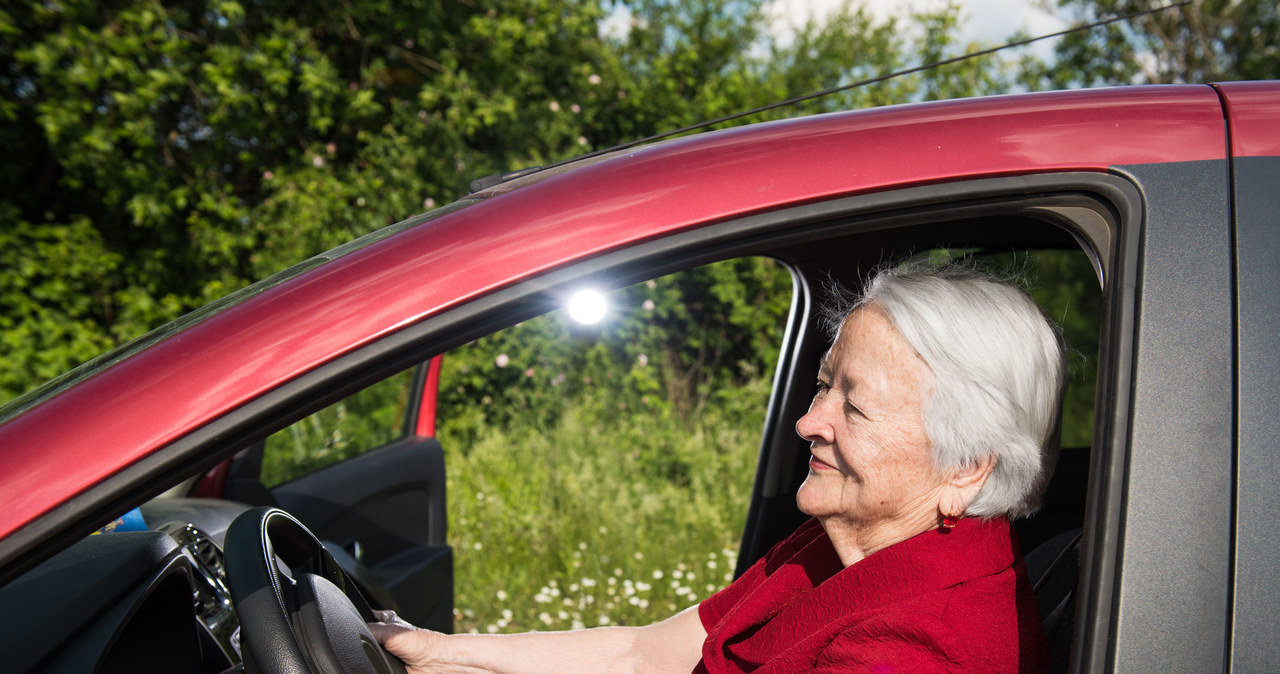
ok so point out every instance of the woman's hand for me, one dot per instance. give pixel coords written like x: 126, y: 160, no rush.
x: 419, y: 649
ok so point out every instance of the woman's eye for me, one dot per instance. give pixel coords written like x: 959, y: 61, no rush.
x: 820, y: 391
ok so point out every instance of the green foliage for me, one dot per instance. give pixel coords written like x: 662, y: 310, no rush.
x: 186, y: 148
x: 1066, y: 287
x: 670, y: 345
x: 197, y: 146
x: 602, y: 518
x: 1205, y: 41
x: 367, y: 420
x: 51, y: 312
x: 182, y: 149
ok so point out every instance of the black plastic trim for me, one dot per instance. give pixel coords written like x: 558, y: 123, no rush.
x: 413, y: 408
x: 1099, y: 559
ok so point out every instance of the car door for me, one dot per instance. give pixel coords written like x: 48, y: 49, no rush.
x: 367, y: 476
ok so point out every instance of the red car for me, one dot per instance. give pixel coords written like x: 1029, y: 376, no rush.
x: 1171, y: 192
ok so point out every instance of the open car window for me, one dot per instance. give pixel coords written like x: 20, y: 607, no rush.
x: 601, y: 473
x: 597, y: 472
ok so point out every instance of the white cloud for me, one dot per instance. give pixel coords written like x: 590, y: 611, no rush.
x: 990, y: 22
x: 617, y: 23
x: 994, y: 21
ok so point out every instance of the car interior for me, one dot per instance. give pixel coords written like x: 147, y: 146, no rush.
x: 126, y: 601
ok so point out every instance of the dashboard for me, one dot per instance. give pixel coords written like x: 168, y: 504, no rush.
x: 154, y: 600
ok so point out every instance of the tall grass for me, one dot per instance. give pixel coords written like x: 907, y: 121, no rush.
x: 604, y: 518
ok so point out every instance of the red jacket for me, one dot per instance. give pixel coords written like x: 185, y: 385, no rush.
x: 939, y: 602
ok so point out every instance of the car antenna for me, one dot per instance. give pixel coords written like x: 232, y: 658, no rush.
x: 497, y: 179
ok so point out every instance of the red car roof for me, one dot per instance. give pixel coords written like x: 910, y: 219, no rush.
x: 1252, y: 110
x: 120, y: 415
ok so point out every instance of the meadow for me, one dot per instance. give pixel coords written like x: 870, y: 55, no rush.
x: 602, y: 519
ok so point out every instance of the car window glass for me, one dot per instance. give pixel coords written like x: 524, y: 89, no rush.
x: 601, y: 474
x: 371, y: 418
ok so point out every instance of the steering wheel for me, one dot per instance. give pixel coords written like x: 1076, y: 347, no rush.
x: 298, y: 611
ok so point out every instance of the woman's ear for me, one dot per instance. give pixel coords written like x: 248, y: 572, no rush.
x: 964, y: 485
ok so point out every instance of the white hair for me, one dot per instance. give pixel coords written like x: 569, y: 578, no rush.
x: 998, y: 368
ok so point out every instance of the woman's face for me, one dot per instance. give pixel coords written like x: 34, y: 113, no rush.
x: 872, y: 481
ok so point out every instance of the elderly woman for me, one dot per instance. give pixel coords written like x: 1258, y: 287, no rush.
x: 931, y: 428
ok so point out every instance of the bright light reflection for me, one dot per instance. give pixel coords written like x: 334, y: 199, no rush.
x: 588, y: 307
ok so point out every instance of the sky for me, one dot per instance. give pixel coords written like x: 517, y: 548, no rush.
x: 987, y: 21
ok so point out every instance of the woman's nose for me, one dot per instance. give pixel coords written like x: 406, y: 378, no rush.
x: 812, y: 427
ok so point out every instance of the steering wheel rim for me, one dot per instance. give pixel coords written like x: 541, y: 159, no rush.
x: 308, y: 619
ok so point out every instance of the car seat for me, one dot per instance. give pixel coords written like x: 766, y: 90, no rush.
x: 1054, y: 570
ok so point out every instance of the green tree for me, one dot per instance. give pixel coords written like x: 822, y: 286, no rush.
x: 1204, y: 41
x: 160, y: 154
